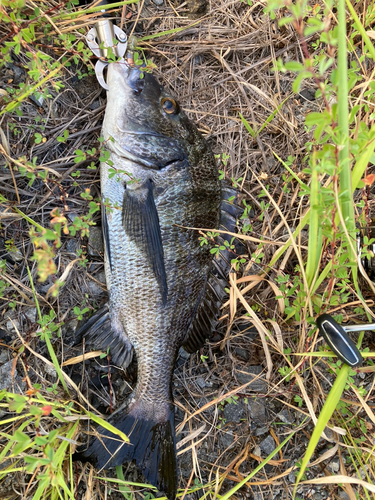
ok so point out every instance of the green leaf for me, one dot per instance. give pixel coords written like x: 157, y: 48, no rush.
x: 329, y: 407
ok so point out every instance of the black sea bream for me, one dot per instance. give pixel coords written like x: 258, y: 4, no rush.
x: 162, y: 292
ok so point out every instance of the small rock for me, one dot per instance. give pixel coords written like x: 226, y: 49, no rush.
x: 72, y: 246
x: 101, y: 277
x: 183, y: 354
x: 158, y: 2
x: 247, y: 374
x: 343, y: 495
x: 292, y: 477
x: 334, y: 466
x: 51, y: 370
x: 4, y: 336
x: 200, y: 382
x: 248, y: 330
x: 15, y: 255
x: 18, y: 73
x: 4, y: 356
x: 13, y: 322
x: 260, y: 431
x: 285, y: 416
x: 241, y: 354
x: 95, y: 105
x: 95, y: 243
x: 307, y: 95
x: 257, y: 451
x: 198, y: 59
x: 268, y: 445
x: 226, y: 439
x: 94, y: 288
x: 234, y: 412
x: 257, y: 412
x: 7, y: 382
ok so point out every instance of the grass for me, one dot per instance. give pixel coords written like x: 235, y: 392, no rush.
x: 308, y: 189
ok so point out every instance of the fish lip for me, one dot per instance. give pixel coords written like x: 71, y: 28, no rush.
x: 120, y: 151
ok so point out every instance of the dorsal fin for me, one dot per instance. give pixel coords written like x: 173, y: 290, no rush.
x: 208, y: 310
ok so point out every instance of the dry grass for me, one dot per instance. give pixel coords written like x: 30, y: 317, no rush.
x: 219, y: 66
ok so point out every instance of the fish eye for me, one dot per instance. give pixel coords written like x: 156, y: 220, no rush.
x: 169, y: 105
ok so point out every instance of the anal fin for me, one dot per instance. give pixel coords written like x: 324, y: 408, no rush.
x: 99, y: 332
x: 141, y: 224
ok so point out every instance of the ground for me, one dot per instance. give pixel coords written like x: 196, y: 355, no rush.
x: 233, y: 406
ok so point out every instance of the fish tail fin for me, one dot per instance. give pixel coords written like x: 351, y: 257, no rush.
x: 152, y: 445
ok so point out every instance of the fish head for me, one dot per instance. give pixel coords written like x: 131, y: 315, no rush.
x: 144, y: 123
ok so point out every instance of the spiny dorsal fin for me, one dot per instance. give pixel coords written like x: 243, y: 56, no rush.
x: 206, y: 317
x: 141, y: 224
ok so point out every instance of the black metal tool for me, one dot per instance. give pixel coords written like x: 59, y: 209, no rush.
x: 339, y: 341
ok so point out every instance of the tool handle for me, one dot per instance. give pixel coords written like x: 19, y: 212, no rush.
x: 339, y: 341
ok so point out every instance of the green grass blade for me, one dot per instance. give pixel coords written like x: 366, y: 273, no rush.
x: 168, y: 32
x: 46, y: 338
x: 60, y: 454
x: 293, y: 174
x: 345, y: 186
x: 363, y: 160
x: 272, y: 116
x: 315, y: 228
x: 326, y: 413
x: 91, y: 10
x: 257, y: 469
x: 369, y: 45
x: 106, y: 425
x: 248, y: 126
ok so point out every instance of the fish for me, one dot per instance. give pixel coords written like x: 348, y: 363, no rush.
x: 160, y: 179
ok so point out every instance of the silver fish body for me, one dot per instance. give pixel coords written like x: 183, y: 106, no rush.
x: 160, y: 179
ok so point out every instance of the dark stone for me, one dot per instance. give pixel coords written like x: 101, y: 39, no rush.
x: 241, y: 353
x: 268, y: 445
x: 234, y: 412
x: 72, y: 246
x: 226, y: 439
x: 307, y: 95
x: 249, y: 373
x: 248, y: 330
x: 95, y: 243
x: 7, y: 381
x: 285, y: 416
x: 260, y: 431
x: 257, y: 412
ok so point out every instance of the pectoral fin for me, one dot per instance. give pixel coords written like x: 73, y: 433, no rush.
x: 141, y: 224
